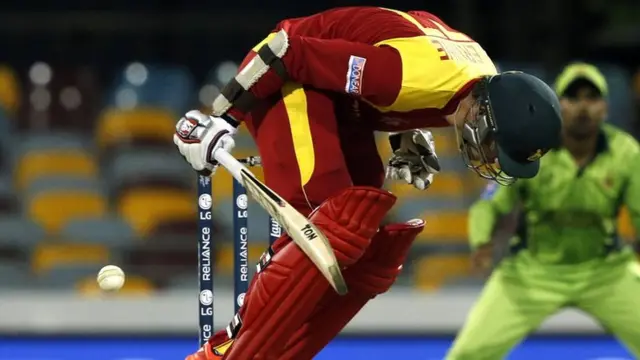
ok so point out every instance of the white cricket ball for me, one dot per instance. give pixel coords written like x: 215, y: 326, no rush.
x: 111, y: 278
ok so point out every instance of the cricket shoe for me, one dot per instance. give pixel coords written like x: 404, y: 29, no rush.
x: 207, y: 352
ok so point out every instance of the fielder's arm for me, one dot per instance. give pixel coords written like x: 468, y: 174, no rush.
x: 631, y: 196
x: 495, y: 202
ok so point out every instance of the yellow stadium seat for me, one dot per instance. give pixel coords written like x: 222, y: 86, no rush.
x: 54, y: 162
x: 446, y: 144
x: 444, y: 226
x: 145, y: 209
x: 133, y: 286
x: 53, y: 209
x: 434, y: 271
x: 117, y: 126
x: 445, y: 184
x: 48, y: 255
x: 9, y: 89
x: 625, y: 227
x: 225, y: 255
x: 473, y: 184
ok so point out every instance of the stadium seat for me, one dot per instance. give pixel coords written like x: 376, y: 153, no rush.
x: 108, y: 231
x: 48, y: 183
x: 444, y: 226
x: 145, y: 209
x: 14, y: 274
x: 48, y: 256
x: 149, y: 169
x: 53, y: 140
x: 63, y: 276
x: 10, y: 89
x: 54, y: 162
x: 183, y: 282
x: 179, y: 227
x: 19, y: 232
x: 8, y: 201
x: 153, y: 85
x: 446, y: 144
x: 133, y: 286
x: 432, y: 272
x: 54, y: 209
x: 7, y: 141
x: 143, y: 126
x: 18, y: 237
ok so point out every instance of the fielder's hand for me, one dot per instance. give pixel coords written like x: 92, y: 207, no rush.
x: 414, y: 158
x: 198, y: 136
x: 482, y: 260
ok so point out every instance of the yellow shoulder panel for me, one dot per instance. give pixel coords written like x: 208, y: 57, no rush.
x: 435, y: 66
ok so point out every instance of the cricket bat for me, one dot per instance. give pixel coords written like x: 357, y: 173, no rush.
x: 304, y: 234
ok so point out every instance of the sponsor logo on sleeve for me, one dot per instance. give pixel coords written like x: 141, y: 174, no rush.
x: 354, y: 75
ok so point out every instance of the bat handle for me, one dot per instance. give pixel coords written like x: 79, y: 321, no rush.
x: 230, y: 163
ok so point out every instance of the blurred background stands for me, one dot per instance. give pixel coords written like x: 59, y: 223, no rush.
x: 85, y: 180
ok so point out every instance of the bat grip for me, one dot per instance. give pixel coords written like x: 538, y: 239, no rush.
x: 230, y: 163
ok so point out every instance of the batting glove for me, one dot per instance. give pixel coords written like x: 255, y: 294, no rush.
x: 414, y: 158
x: 198, y: 136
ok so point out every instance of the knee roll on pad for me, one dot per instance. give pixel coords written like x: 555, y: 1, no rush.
x: 381, y: 264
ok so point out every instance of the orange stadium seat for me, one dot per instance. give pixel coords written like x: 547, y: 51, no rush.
x: 145, y: 209
x: 225, y: 255
x: 473, y: 184
x: 127, y: 126
x: 53, y: 209
x: 133, y: 286
x: 54, y: 162
x: 9, y: 89
x: 432, y: 272
x: 444, y: 226
x: 49, y: 255
x: 446, y: 144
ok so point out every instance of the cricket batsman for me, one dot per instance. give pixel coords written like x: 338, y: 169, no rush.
x: 566, y: 252
x: 312, y: 94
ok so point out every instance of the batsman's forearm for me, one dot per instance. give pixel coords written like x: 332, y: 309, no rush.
x: 483, y: 217
x: 327, y: 64
x: 324, y: 64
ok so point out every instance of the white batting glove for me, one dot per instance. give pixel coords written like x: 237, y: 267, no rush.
x: 199, y: 135
x: 414, y: 158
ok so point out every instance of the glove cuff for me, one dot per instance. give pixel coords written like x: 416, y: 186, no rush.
x: 230, y: 120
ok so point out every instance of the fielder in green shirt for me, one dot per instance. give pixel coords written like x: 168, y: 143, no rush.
x: 566, y: 252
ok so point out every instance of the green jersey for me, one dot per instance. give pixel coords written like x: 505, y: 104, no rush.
x: 569, y: 213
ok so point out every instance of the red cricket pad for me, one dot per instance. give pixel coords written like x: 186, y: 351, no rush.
x: 372, y: 275
x: 286, y: 292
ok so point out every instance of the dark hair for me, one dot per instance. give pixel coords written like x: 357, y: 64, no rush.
x: 479, y: 89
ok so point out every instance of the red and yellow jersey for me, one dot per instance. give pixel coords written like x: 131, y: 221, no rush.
x: 410, y: 69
